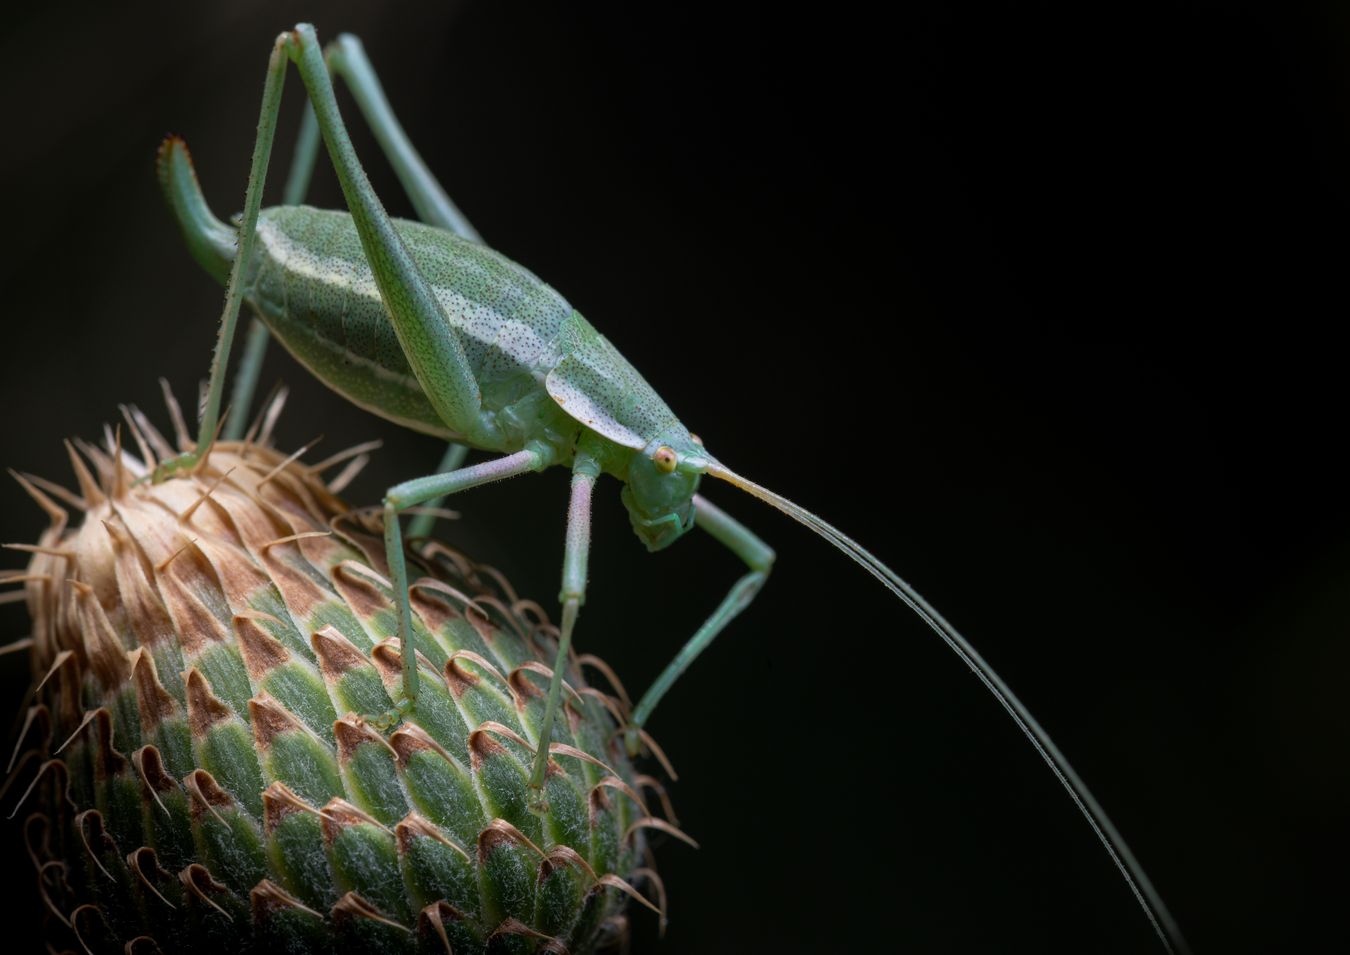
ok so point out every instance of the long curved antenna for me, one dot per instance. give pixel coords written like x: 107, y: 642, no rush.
x: 1163, y: 924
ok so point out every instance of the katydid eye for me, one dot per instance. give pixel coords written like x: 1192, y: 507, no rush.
x: 696, y: 439
x: 665, y: 460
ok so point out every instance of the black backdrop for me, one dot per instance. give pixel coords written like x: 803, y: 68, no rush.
x: 1040, y: 302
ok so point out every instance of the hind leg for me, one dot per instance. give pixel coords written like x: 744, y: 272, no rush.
x: 418, y: 491
x: 346, y: 58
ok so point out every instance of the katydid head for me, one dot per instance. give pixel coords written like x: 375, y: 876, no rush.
x: 659, y: 488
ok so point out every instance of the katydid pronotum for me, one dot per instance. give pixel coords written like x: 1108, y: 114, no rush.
x: 424, y: 325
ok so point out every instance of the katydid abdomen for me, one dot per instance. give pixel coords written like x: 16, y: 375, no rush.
x: 310, y: 282
x: 542, y: 369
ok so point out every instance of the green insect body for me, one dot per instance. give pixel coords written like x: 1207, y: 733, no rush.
x: 545, y: 373
x: 310, y: 282
x: 426, y: 326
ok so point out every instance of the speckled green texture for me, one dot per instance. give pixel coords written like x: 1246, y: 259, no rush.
x: 313, y: 285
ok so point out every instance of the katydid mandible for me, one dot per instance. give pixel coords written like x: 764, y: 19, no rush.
x: 426, y: 326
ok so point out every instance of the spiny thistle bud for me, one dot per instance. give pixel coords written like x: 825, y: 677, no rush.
x: 213, y: 761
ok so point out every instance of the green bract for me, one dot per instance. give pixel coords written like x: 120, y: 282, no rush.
x: 215, y: 757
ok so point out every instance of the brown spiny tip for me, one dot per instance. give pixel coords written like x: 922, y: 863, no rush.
x: 457, y: 679
x: 267, y: 898
x: 388, y: 661
x: 184, y: 587
x: 460, y: 680
x: 270, y: 720
x: 145, y: 863
x: 206, y: 794
x: 37, y: 723
x: 89, y: 488
x: 561, y: 856
x: 513, y: 926
x: 199, y: 879
x: 413, y: 827
x: 506, y: 732
x: 483, y: 747
x: 523, y: 687
x: 499, y: 833
x: 64, y: 672
x: 643, y: 781
x: 150, y: 764
x: 337, y: 814
x: 565, y: 749
x: 653, y: 879
x: 432, y: 919
x: 614, y: 782
x: 156, y: 704
x: 351, y: 731
x: 108, y: 762
x: 238, y: 575
x: 410, y: 740
x: 598, y: 803
x: 90, y: 925
x: 434, y: 611
x: 261, y: 651
x: 107, y: 657
x: 610, y: 880
x: 362, y: 594
x: 280, y: 801
x: 353, y: 906
x: 650, y: 743
x: 591, y: 660
x: 487, y: 627
x: 204, y: 709
x: 575, y: 716
x: 56, y: 514
x: 649, y: 822
x: 96, y: 839
x: 300, y: 593
x: 336, y: 653
x: 199, y: 882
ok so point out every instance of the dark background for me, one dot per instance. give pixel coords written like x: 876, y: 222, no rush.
x: 1041, y: 302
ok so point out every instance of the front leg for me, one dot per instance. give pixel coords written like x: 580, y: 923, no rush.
x: 758, y: 556
x: 585, y: 471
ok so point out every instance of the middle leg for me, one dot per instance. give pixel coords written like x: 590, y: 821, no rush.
x: 453, y: 460
x: 417, y: 491
x: 576, y: 553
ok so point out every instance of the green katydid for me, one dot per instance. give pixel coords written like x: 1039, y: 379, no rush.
x: 427, y: 327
